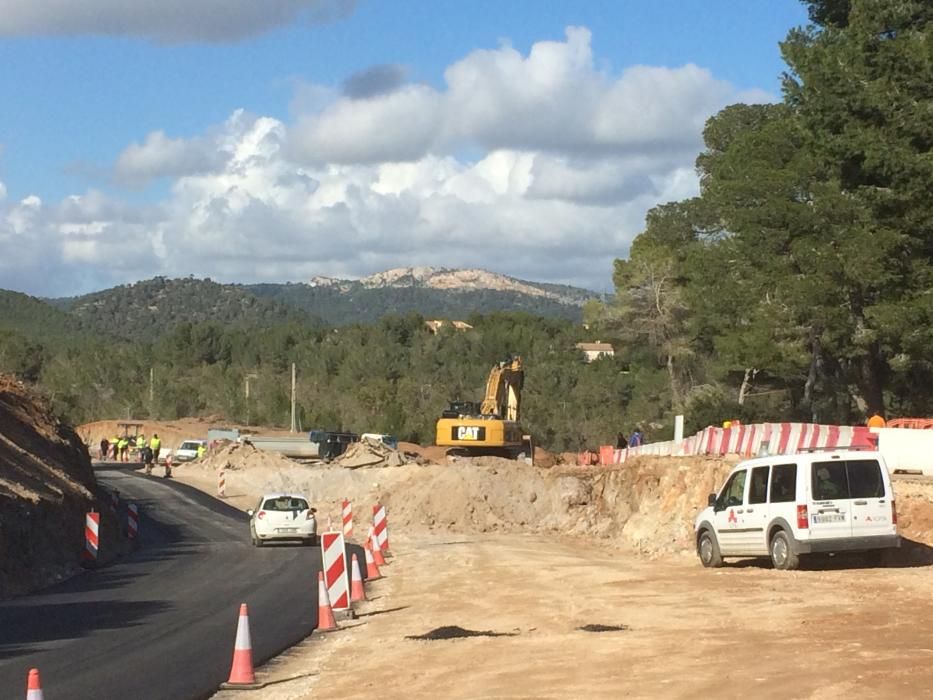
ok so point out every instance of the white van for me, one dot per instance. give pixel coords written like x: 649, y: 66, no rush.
x: 788, y: 505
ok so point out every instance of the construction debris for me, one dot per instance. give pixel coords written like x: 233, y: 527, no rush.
x: 373, y: 453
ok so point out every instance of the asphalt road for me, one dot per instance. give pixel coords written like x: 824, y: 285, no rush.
x: 161, y: 622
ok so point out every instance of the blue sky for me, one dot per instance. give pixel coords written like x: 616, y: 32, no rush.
x: 75, y: 101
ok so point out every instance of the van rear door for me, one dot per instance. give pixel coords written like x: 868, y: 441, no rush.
x: 871, y: 498
x: 830, y: 507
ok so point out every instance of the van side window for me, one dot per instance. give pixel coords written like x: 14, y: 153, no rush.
x: 865, y: 479
x: 784, y: 483
x: 733, y: 492
x: 829, y: 481
x: 758, y: 488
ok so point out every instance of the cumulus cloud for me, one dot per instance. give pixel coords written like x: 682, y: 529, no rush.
x: 377, y: 80
x: 166, y: 20
x: 565, y: 160
x: 161, y: 156
x: 554, y: 99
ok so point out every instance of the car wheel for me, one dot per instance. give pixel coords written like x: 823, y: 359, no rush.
x: 782, y: 552
x: 708, y: 550
x: 256, y: 542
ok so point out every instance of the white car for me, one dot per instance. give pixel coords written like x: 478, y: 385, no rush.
x: 282, y: 516
x: 187, y: 451
x: 786, y: 506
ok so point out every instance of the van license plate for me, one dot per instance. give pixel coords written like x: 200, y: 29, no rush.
x: 830, y: 518
x: 286, y: 529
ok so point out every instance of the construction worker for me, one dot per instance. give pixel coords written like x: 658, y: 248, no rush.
x: 201, y: 450
x: 140, y: 442
x: 155, y: 444
x: 115, y: 447
x: 124, y: 445
x: 876, y: 421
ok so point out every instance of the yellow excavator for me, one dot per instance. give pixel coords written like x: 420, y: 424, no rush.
x: 492, y: 427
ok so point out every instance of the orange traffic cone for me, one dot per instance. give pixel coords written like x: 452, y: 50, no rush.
x: 34, y: 685
x: 377, y: 551
x: 372, y: 570
x: 356, y: 582
x: 325, y: 614
x: 241, y: 673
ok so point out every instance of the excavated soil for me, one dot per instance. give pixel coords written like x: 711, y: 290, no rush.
x: 46, y: 487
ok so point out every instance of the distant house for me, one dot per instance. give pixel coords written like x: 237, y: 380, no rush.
x: 435, y: 326
x: 593, y: 351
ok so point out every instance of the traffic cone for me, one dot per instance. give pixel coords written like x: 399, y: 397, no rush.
x: 34, y: 685
x: 325, y: 614
x: 356, y: 582
x: 372, y: 570
x: 241, y: 673
x: 377, y: 551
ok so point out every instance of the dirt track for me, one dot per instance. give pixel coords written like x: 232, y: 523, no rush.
x: 848, y: 632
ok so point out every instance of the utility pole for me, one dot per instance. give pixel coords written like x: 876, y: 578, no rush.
x: 250, y: 375
x: 294, y: 428
x: 151, y: 388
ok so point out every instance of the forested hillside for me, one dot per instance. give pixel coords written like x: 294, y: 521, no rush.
x: 154, y: 306
x: 358, y: 304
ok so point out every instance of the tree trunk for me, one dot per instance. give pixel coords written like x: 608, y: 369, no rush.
x: 750, y: 373
x: 675, y: 391
x: 871, y: 382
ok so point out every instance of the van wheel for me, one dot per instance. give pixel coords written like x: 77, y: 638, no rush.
x: 708, y: 549
x: 782, y: 551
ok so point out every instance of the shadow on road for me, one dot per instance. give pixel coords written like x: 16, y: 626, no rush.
x: 33, y: 624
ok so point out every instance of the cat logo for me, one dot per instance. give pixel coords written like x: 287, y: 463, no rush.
x: 468, y: 432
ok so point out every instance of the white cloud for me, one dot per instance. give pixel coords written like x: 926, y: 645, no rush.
x: 164, y: 21
x: 568, y: 160
x: 160, y: 156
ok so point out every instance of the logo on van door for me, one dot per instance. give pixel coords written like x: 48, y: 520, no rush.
x: 732, y: 519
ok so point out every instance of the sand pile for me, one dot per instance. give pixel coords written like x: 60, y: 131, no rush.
x: 373, y: 453
x: 241, y: 455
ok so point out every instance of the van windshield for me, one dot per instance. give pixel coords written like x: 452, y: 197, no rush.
x: 857, y: 478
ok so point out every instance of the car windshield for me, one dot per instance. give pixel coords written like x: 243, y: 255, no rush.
x: 285, y: 503
x: 189, y: 446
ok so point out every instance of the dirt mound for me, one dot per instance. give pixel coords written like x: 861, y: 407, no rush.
x: 241, y: 455
x: 46, y: 487
x: 372, y: 453
x: 647, y: 504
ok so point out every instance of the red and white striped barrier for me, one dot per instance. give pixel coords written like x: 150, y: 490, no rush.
x: 132, y: 521
x: 221, y: 483
x: 381, y: 527
x: 91, y: 536
x: 347, y: 518
x: 745, y: 441
x: 333, y: 552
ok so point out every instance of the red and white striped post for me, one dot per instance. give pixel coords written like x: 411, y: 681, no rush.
x: 91, y: 537
x: 347, y: 518
x: 132, y: 521
x: 222, y: 483
x: 381, y: 527
x: 333, y: 553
